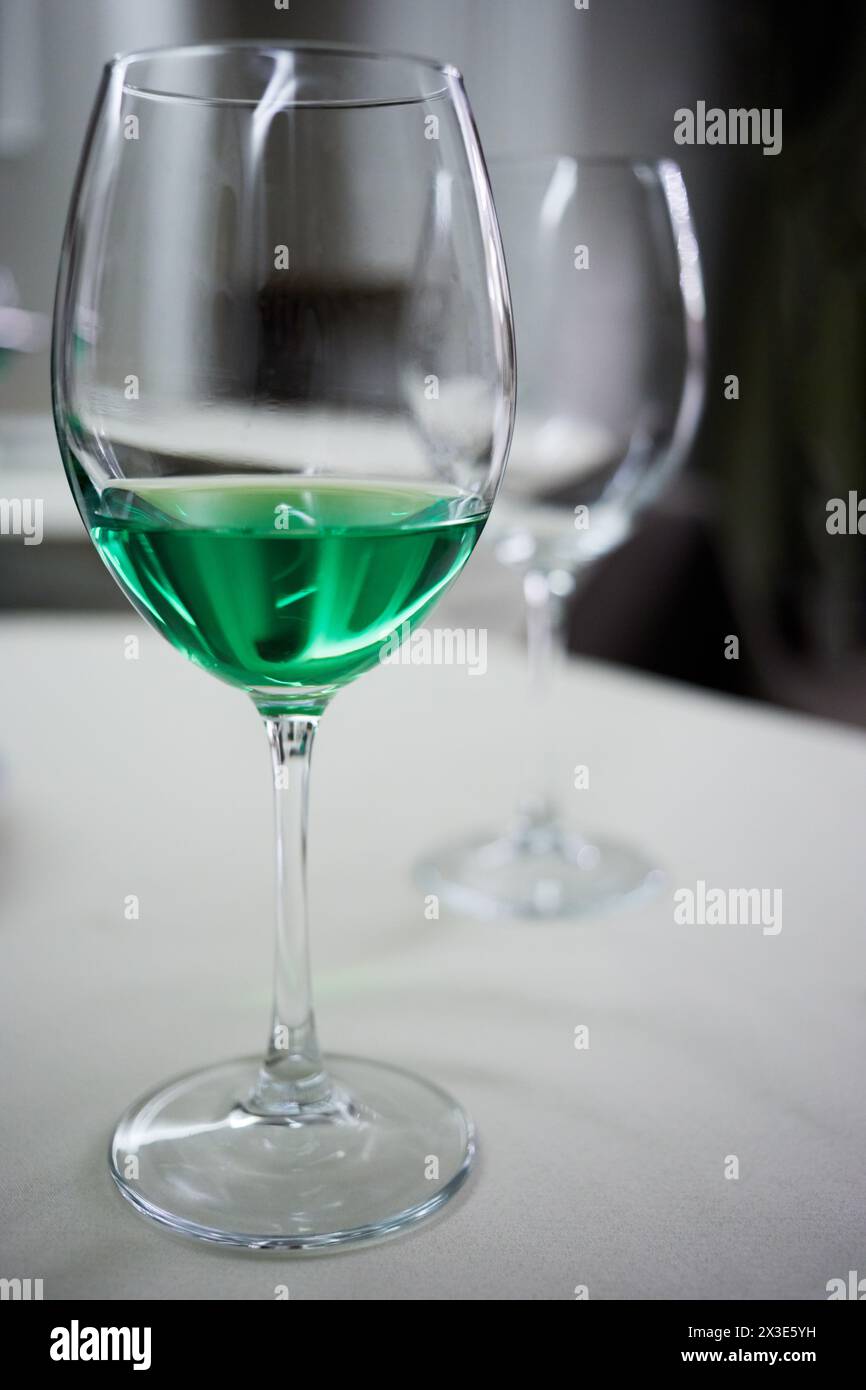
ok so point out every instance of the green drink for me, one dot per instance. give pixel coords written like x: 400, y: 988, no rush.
x: 281, y: 584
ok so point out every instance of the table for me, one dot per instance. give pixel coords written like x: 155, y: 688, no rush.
x: 600, y: 1167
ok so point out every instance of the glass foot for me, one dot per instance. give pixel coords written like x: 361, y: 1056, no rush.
x: 384, y: 1151
x: 539, y: 871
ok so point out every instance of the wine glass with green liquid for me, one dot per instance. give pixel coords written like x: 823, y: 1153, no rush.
x: 284, y: 390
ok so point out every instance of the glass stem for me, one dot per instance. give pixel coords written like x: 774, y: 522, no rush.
x: 292, y: 1074
x: 545, y: 647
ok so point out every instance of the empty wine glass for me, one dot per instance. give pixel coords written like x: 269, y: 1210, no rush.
x: 608, y: 307
x: 272, y: 252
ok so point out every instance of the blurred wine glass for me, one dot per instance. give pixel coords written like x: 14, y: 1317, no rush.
x: 608, y: 304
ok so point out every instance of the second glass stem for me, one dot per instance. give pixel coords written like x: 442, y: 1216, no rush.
x: 545, y: 644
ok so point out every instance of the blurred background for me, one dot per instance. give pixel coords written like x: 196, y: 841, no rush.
x: 738, y: 546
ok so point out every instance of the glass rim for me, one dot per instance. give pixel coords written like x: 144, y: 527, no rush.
x: 121, y: 63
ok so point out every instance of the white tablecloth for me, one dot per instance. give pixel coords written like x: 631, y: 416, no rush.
x: 602, y: 1167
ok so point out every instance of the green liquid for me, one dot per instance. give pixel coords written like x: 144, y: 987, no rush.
x: 291, y: 584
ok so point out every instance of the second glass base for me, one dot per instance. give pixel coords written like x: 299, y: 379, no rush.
x: 538, y: 871
x: 384, y: 1151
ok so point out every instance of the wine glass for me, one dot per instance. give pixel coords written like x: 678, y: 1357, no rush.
x: 609, y: 310
x: 281, y: 261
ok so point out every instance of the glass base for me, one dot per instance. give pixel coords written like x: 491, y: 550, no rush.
x: 385, y: 1150
x: 538, y: 871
